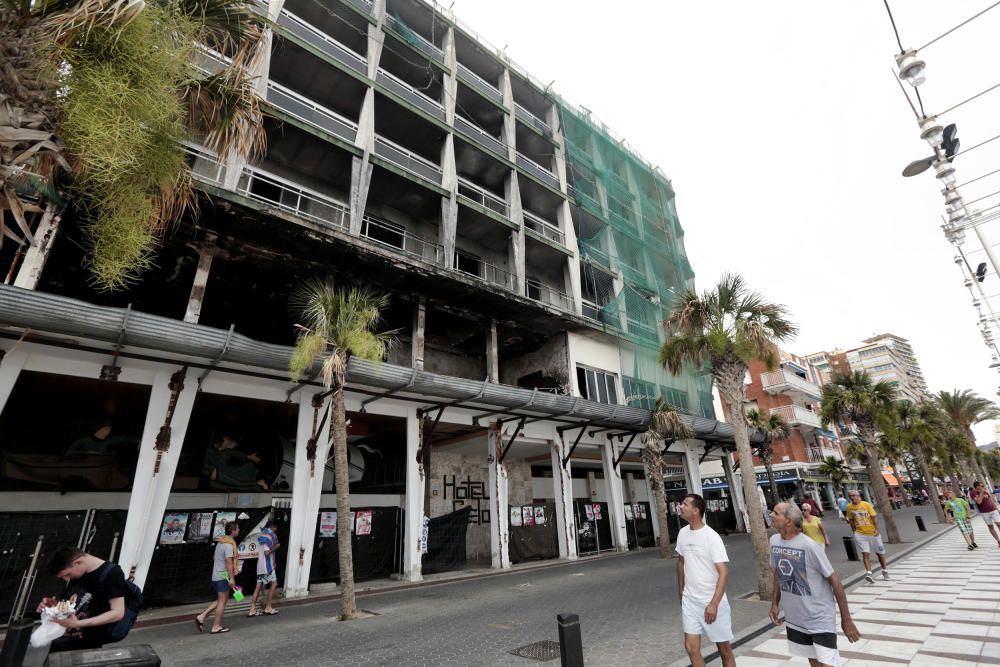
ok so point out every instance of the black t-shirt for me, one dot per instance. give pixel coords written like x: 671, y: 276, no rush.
x: 95, y: 590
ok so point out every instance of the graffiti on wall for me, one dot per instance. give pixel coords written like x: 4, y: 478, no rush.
x: 471, y: 494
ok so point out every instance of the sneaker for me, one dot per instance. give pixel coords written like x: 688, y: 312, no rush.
x: 869, y: 578
x: 885, y: 575
x: 972, y: 548
x: 975, y: 546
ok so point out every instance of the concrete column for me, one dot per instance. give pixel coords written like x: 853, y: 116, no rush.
x: 492, y: 354
x: 735, y: 493
x: 515, y: 253
x: 413, y: 513
x: 653, y: 510
x: 307, y: 492
x: 613, y: 491
x: 693, y: 451
x: 206, y: 254
x: 509, y: 119
x: 38, y: 254
x: 562, y: 485
x: 499, y: 528
x: 592, y: 486
x: 154, y: 473
x: 376, y: 39
x: 419, y: 328
x: 11, y: 364
x: 630, y: 495
x: 361, y: 167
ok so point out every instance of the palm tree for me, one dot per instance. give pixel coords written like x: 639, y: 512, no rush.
x: 854, y: 397
x: 336, y: 324
x: 966, y: 408
x: 837, y: 471
x: 891, y: 448
x: 722, y: 330
x: 665, y: 425
x: 98, y: 97
x: 920, y: 425
x: 771, y: 426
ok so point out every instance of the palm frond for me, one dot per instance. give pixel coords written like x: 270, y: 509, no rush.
x: 225, y: 109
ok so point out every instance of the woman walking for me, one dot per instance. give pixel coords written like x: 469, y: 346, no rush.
x: 812, y: 526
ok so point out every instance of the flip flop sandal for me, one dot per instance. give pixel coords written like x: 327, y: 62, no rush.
x: 220, y: 631
x: 255, y: 613
x: 271, y: 612
x: 200, y: 624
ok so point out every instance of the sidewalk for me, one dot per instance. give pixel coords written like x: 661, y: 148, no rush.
x: 942, y: 607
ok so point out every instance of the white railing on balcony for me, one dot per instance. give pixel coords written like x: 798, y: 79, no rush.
x: 209, y: 60
x: 315, y: 37
x: 487, y: 272
x: 476, y: 133
x: 410, y: 93
x: 479, y: 83
x: 544, y: 227
x: 550, y: 295
x: 473, y: 193
x: 780, y: 381
x: 288, y: 196
x: 536, y: 170
x: 414, y: 39
x: 796, y: 415
x: 205, y: 165
x: 591, y: 310
x: 398, y: 238
x: 407, y: 159
x: 532, y: 119
x: 309, y: 112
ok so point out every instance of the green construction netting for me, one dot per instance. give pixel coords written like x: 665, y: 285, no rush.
x: 634, y: 262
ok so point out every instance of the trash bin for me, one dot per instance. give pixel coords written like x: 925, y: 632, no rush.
x: 920, y: 524
x: 851, y: 548
x: 140, y: 655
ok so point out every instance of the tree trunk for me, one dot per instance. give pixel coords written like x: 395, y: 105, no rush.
x: 732, y: 395
x: 907, y: 499
x: 929, y: 483
x: 345, y: 527
x: 952, y: 474
x: 770, y: 478
x: 654, y: 468
x: 878, y: 485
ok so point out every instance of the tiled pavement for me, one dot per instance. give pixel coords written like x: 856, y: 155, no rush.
x: 941, y: 607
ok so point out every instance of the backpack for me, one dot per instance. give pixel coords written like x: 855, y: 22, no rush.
x: 118, y: 630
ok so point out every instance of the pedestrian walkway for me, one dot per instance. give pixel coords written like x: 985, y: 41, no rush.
x: 941, y: 607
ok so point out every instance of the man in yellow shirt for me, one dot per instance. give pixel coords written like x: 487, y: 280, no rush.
x: 864, y: 521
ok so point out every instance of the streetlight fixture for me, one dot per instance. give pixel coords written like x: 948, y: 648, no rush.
x: 945, y: 172
x: 931, y: 131
x: 911, y: 68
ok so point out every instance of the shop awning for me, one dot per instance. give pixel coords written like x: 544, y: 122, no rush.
x: 890, y: 479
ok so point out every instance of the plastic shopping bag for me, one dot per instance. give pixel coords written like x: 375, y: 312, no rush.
x: 46, y: 633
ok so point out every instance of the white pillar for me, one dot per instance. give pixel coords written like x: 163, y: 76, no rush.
x: 735, y: 493
x: 693, y: 451
x: 154, y: 474
x: 499, y: 528
x: 613, y: 492
x: 38, y: 254
x: 307, y: 492
x: 652, y: 508
x: 413, y: 513
x: 10, y: 369
x: 562, y: 484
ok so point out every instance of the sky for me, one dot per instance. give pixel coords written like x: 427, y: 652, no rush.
x: 784, y: 132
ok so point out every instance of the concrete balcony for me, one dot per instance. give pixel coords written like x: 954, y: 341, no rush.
x: 416, y: 41
x: 784, y: 382
x: 309, y: 112
x: 821, y: 454
x: 288, y: 196
x: 480, y: 136
x: 407, y: 159
x: 410, y: 94
x: 479, y: 84
x: 548, y: 295
x: 532, y: 120
x: 316, y: 38
x: 481, y: 199
x: 543, y: 228
x: 538, y: 171
x: 797, y: 416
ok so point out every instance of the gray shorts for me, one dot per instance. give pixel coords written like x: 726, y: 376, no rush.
x: 869, y: 543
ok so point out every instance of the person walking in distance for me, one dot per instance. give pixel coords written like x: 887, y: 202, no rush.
x: 812, y: 526
x: 987, y: 509
x: 864, y: 523
x: 223, y: 579
x: 267, y: 573
x: 702, y: 575
x: 959, y: 510
x: 842, y: 507
x: 807, y: 587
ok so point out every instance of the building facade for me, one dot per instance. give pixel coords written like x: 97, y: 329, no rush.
x: 528, y: 253
x: 889, y: 357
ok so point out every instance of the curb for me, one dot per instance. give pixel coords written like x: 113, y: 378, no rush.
x: 761, y: 627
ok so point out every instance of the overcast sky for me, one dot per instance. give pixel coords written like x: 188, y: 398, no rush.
x: 784, y: 134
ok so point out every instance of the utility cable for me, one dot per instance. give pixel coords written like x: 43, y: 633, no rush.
x: 894, y: 29
x: 945, y: 34
x: 978, y: 178
x: 966, y: 101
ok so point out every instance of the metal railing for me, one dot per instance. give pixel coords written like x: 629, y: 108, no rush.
x: 398, y: 238
x: 209, y: 60
x: 407, y: 159
x: 532, y: 119
x: 480, y: 135
x: 414, y: 39
x: 591, y: 310
x: 206, y: 165
x: 363, y: 6
x: 782, y: 379
x: 286, y: 195
x: 481, y: 197
x: 547, y: 294
x: 537, y: 170
x: 328, y: 45
x: 308, y: 111
x: 796, y: 415
x: 479, y: 83
x: 544, y: 227
x: 408, y: 92
x: 487, y: 272
x: 596, y: 254
x: 637, y: 328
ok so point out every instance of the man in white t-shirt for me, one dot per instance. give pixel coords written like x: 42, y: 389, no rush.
x: 702, y: 575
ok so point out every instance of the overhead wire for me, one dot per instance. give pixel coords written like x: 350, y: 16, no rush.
x: 948, y: 32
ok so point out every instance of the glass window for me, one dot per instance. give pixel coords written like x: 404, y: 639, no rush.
x: 596, y: 385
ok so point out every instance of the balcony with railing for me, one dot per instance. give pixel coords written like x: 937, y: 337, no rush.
x: 309, y: 112
x: 407, y: 159
x: 410, y: 93
x: 361, y: 6
x: 205, y: 165
x: 548, y: 295
x: 537, y: 170
x: 797, y: 416
x: 483, y: 200
x: 543, y: 228
x: 485, y: 271
x: 415, y: 40
x: 397, y: 237
x: 782, y: 381
x: 286, y: 195
x: 480, y: 136
x: 311, y: 35
x: 532, y: 120
x: 479, y: 84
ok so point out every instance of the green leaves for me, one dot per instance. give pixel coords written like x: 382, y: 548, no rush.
x: 853, y: 396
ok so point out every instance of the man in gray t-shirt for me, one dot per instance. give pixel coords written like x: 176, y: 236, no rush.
x: 223, y: 578
x: 806, y: 585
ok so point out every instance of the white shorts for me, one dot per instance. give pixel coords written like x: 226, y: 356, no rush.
x: 693, y: 615
x: 869, y: 543
x: 821, y: 647
x: 991, y: 517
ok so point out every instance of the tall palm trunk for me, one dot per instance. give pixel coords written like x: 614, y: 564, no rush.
x: 907, y: 499
x: 769, y: 467
x: 878, y: 484
x: 654, y: 468
x: 902, y: 492
x: 732, y: 391
x: 952, y: 473
x: 345, y: 527
x: 932, y: 487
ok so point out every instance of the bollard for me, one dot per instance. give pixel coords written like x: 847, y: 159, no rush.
x: 920, y: 524
x: 15, y: 644
x: 570, y: 640
x: 849, y: 546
